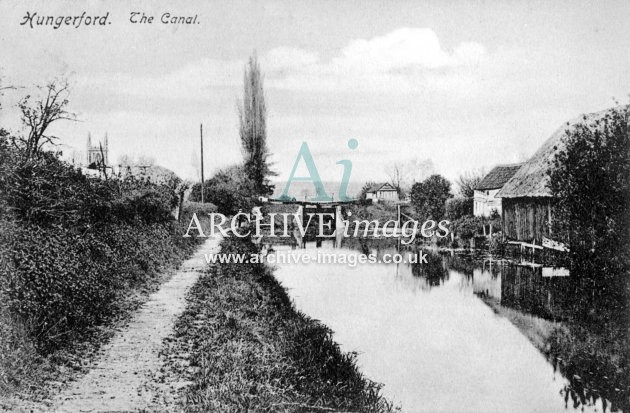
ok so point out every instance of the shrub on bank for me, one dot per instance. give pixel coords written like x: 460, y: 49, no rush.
x: 199, y: 208
x: 230, y: 189
x: 381, y: 212
x: 469, y: 226
x: 590, y: 182
x: 61, y: 282
x: 74, y: 244
x: 458, y: 208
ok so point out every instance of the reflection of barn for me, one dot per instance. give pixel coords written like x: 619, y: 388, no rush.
x: 524, y: 288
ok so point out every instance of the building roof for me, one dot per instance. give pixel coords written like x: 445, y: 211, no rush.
x: 498, y: 176
x: 532, y: 179
x: 381, y: 187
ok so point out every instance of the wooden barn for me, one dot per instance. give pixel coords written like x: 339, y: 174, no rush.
x: 526, y: 198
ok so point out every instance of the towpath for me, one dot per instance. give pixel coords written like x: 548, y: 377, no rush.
x: 124, y: 378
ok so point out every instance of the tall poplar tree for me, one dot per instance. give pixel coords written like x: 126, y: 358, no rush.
x: 253, y: 129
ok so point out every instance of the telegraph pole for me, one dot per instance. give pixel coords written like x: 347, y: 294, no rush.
x: 202, y: 182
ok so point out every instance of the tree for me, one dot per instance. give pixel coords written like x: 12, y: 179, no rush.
x: 230, y: 189
x: 403, y: 174
x: 253, y: 129
x: 468, y: 181
x: 590, y: 181
x: 459, y: 207
x: 429, y: 197
x: 397, y: 176
x: 38, y: 113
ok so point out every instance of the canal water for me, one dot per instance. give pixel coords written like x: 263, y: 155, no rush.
x: 426, y: 334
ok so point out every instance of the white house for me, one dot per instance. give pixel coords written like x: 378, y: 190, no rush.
x: 486, y: 199
x: 382, y: 193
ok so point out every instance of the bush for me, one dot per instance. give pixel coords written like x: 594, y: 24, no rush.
x: 590, y: 181
x: 458, y: 208
x: 469, y: 226
x: 428, y: 197
x: 381, y: 212
x: 229, y: 189
x: 199, y: 208
x: 71, y: 245
x: 63, y: 282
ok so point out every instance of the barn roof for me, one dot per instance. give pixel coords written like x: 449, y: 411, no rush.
x: 532, y: 179
x: 498, y: 176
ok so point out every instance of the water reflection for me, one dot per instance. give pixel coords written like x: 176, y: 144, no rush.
x: 428, y: 333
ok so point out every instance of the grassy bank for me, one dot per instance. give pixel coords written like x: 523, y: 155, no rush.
x: 246, y: 348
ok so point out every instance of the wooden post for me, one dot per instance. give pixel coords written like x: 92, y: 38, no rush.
x: 202, y: 179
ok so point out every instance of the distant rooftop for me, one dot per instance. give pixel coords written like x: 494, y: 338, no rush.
x: 381, y: 187
x: 498, y: 176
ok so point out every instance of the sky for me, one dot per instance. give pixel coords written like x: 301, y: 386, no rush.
x: 467, y: 84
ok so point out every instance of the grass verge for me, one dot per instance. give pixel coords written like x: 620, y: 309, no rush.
x: 246, y: 348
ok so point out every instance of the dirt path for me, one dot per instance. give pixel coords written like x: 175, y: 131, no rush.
x: 123, y: 377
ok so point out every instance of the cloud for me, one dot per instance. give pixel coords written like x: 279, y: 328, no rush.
x: 405, y: 47
x: 404, y: 60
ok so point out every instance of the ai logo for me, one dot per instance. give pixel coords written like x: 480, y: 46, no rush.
x: 313, y: 174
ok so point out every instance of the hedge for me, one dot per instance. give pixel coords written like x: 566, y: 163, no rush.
x: 77, y: 243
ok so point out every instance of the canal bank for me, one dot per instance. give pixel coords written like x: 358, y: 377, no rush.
x: 241, y: 345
